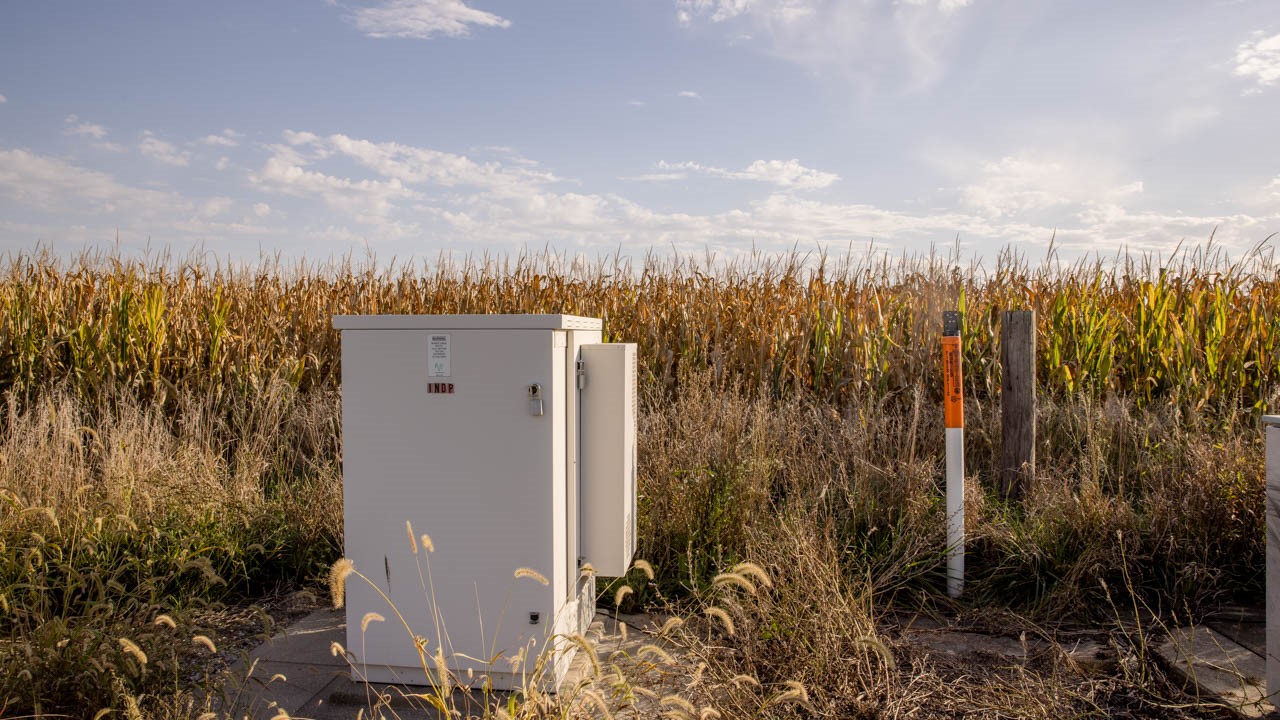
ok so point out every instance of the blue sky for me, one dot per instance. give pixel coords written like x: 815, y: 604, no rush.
x: 408, y: 127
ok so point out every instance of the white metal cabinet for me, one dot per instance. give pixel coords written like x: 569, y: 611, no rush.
x: 443, y: 433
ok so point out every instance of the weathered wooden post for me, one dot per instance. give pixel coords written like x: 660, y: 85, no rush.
x: 953, y: 414
x: 1271, y: 426
x: 1017, y: 402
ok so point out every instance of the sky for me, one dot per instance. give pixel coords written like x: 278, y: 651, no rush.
x: 404, y: 128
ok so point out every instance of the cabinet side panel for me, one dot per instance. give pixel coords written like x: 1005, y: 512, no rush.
x: 608, y: 450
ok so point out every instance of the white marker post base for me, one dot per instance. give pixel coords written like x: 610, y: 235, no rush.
x: 955, y: 511
x: 1271, y: 427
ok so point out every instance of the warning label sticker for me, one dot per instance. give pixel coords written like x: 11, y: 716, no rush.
x: 438, y: 356
x: 952, y: 384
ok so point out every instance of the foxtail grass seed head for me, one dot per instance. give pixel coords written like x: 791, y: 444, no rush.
x: 588, y: 651
x: 165, y: 621
x: 709, y: 713
x: 205, y: 642
x: 442, y: 672
x: 732, y: 579
x: 653, y: 654
x: 336, y: 649
x: 338, y: 580
x: 795, y: 692
x: 880, y: 649
x: 720, y: 614
x: 596, y: 699
x: 205, y: 567
x: 672, y: 624
x: 621, y: 595
x: 278, y: 677
x: 131, y: 648
x: 644, y: 567
x: 675, y: 702
x: 427, y: 544
x: 532, y: 575
x: 131, y: 709
x: 370, y: 617
x: 740, y: 680
x: 587, y: 570
x: 413, y: 541
x: 752, y: 570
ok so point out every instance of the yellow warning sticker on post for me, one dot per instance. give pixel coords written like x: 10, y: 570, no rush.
x: 952, y: 393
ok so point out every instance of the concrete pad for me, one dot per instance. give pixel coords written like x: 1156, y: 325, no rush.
x: 308, y: 640
x: 1091, y: 656
x: 271, y: 686
x: 295, y: 671
x: 1250, y: 635
x: 1212, y: 664
x: 971, y: 645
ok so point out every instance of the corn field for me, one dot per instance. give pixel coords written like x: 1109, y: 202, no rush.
x: 1197, y: 331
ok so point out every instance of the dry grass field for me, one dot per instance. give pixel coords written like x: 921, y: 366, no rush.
x: 170, y: 446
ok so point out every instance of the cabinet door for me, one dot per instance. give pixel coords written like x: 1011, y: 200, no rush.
x: 440, y: 430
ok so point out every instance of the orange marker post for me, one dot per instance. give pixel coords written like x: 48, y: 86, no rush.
x: 953, y: 415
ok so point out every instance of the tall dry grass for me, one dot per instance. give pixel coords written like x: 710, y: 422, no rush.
x: 113, y: 515
x: 1118, y: 486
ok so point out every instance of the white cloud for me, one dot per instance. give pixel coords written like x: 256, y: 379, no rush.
x: 97, y: 132
x: 89, y: 130
x: 690, y: 94
x: 899, y: 44
x: 370, y: 201
x: 946, y: 6
x: 1259, y: 59
x: 223, y: 163
x: 346, y: 190
x: 1027, y: 182
x: 1187, y: 120
x: 783, y: 173
x: 787, y: 173
x: 636, y: 103
x: 1112, y: 224
x: 214, y: 207
x: 53, y: 184
x: 656, y: 177
x: 165, y: 152
x: 86, y: 205
x: 422, y: 19
x: 416, y: 165
x: 3, y: 99
x: 226, y: 138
